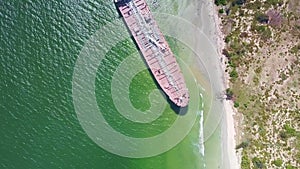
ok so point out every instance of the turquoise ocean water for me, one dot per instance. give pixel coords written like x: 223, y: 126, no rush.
x: 40, y: 43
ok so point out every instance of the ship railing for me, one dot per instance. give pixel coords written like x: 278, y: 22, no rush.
x: 148, y: 31
x: 166, y: 71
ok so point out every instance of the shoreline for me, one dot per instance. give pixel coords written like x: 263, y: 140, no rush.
x: 231, y: 158
x: 204, y: 15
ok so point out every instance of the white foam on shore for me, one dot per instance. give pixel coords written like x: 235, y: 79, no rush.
x: 201, y: 133
x: 201, y: 130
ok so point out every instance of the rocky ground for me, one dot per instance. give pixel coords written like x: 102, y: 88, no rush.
x: 263, y: 62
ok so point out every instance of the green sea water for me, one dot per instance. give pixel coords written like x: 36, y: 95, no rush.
x: 40, y: 43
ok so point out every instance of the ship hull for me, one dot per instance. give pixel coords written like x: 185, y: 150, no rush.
x: 155, y: 49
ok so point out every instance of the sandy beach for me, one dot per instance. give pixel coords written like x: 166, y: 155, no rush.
x: 210, y: 24
x: 231, y: 159
x: 209, y: 45
x: 216, y: 67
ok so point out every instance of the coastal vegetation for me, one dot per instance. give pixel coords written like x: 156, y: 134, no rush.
x: 262, y: 55
x: 220, y: 2
x: 245, y: 162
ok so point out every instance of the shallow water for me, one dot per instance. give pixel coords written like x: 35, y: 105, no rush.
x: 40, y: 44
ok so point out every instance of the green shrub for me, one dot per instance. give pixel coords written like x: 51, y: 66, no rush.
x: 244, y: 144
x: 289, y: 166
x: 298, y: 157
x: 274, y: 2
x: 262, y: 18
x: 264, y: 31
x: 289, y: 130
x: 245, y: 163
x: 258, y: 70
x: 283, y: 135
x: 255, y: 80
x: 221, y: 10
x: 220, y: 2
x: 227, y: 39
x: 278, y: 162
x: 294, y: 49
x: 257, y: 163
x: 231, y: 64
x: 236, y: 104
x: 238, y: 2
x: 233, y: 74
x: 229, y: 94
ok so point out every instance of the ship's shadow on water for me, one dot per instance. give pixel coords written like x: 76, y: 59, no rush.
x: 181, y: 111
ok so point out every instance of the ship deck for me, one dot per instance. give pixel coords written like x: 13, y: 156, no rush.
x: 155, y: 49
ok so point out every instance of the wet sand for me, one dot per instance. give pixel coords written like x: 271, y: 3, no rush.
x: 210, y: 24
